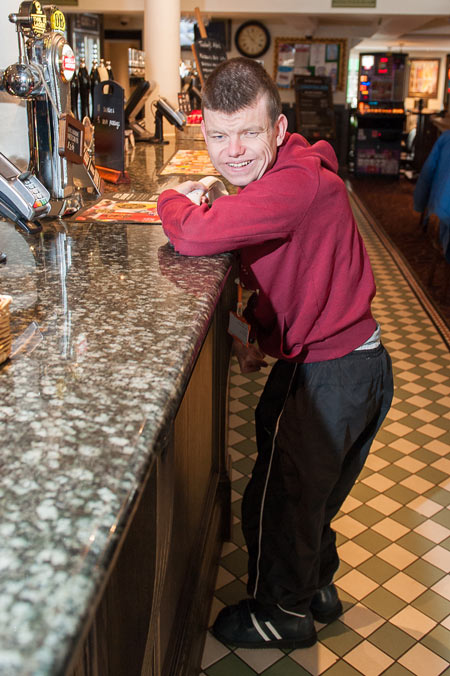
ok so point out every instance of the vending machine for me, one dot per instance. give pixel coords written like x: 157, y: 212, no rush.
x: 380, y: 117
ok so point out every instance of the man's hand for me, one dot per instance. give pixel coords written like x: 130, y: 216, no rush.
x: 188, y: 186
x: 250, y: 358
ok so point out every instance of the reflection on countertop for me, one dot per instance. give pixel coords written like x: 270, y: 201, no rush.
x: 107, y: 321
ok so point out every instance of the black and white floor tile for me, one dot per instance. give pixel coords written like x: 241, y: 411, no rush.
x: 394, y: 528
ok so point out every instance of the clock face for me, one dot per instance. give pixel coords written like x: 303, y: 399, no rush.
x: 252, y: 39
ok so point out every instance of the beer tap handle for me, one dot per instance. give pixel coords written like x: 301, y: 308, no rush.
x: 20, y: 22
x: 21, y: 19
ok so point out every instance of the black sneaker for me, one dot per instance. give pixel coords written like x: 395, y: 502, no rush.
x: 252, y: 625
x: 326, y: 605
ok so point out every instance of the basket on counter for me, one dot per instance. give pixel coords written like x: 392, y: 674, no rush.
x: 5, y: 328
x: 193, y: 132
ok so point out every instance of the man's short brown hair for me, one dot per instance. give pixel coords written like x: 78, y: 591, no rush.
x: 238, y: 83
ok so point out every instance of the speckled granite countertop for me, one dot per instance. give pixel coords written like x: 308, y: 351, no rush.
x: 110, y: 320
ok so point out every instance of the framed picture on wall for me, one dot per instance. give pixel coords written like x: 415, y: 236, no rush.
x: 423, y: 78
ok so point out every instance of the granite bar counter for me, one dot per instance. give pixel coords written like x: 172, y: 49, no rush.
x: 112, y: 416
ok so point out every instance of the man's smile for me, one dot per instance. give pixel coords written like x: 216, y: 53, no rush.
x: 239, y: 165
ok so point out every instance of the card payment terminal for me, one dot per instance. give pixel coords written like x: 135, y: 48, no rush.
x: 23, y: 198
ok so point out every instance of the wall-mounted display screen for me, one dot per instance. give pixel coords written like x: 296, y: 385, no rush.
x: 187, y: 35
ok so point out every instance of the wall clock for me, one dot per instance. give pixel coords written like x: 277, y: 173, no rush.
x: 252, y: 39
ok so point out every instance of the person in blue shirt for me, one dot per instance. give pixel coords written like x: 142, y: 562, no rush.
x: 432, y: 191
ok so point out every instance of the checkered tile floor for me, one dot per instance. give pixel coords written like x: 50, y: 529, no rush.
x: 394, y: 528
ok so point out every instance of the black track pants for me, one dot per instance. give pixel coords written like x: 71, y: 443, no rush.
x: 314, y: 427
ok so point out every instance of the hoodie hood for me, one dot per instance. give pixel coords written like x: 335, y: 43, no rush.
x: 320, y: 150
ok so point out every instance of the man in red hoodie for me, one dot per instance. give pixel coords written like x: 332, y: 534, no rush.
x: 328, y: 393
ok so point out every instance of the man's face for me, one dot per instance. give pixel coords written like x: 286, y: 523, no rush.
x: 243, y: 145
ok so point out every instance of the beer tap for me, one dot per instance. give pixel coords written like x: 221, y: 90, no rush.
x: 43, y: 77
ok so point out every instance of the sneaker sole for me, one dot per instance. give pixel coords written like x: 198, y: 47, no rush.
x: 290, y: 643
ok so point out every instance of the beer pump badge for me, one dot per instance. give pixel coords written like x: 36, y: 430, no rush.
x: 38, y: 19
x: 58, y: 21
x: 67, y: 63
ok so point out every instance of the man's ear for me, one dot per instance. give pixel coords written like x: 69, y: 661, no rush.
x: 281, y: 126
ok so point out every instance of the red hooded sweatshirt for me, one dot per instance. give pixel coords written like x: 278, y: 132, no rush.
x: 299, y: 247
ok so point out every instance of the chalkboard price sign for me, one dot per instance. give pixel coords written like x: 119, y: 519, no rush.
x: 208, y: 53
x: 71, y: 139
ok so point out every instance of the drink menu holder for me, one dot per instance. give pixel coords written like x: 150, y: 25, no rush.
x: 109, y: 123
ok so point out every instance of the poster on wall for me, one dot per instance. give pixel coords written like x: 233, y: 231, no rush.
x: 423, y: 78
x: 309, y: 56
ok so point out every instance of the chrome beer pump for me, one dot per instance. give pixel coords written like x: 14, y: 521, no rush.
x: 59, y: 155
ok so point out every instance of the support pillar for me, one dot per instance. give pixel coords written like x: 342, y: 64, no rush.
x: 162, y: 53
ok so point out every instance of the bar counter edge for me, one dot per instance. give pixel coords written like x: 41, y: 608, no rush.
x: 115, y: 485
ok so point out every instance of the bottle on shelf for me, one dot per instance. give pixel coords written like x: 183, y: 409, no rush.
x: 74, y: 94
x: 84, y: 88
x: 102, y: 71
x: 110, y: 71
x: 95, y: 80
